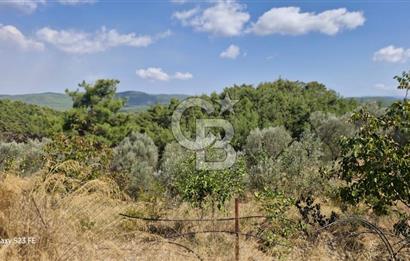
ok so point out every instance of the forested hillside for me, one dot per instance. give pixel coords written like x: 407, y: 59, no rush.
x: 58, y: 101
x: 20, y: 121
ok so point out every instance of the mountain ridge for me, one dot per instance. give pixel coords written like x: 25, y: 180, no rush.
x: 135, y: 100
x: 138, y: 100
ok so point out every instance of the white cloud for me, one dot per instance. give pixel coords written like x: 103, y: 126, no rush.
x: 157, y: 74
x: 224, y: 18
x: 183, y: 76
x: 12, y: 36
x: 163, y: 35
x: 231, y: 52
x: 72, y: 41
x: 179, y: 1
x: 291, y: 21
x: 185, y: 16
x: 76, y: 2
x: 388, y: 89
x: 27, y: 6
x: 392, y: 54
x: 383, y: 87
x: 153, y: 73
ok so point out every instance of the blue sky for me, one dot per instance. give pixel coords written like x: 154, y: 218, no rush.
x: 194, y: 47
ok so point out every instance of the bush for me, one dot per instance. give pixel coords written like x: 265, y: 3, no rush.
x: 173, y: 155
x: 136, y: 157
x: 330, y: 129
x: 208, y: 187
x: 23, y: 158
x: 376, y: 161
x: 82, y: 158
x: 289, y: 165
x: 267, y: 142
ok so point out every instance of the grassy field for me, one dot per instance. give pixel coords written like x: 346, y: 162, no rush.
x: 85, y: 224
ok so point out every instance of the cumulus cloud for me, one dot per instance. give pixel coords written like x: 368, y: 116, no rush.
x: 79, y: 42
x: 392, y: 54
x: 153, y: 73
x: 183, y: 76
x: 185, y: 16
x: 224, y: 18
x: 292, y: 21
x: 157, y: 74
x: 231, y: 52
x: 11, y: 36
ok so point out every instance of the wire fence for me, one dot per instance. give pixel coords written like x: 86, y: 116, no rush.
x: 237, y: 233
x: 392, y: 248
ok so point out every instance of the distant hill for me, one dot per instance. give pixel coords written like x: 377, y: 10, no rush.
x: 138, y: 101
x: 57, y: 101
x: 20, y: 121
x: 135, y: 100
x: 382, y: 100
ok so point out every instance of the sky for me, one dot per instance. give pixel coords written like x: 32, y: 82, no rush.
x: 194, y: 47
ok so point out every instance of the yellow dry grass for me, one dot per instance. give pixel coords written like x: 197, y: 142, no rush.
x: 83, y: 223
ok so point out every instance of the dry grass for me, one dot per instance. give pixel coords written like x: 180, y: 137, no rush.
x: 83, y: 223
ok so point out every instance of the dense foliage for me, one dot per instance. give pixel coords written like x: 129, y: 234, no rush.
x: 83, y: 158
x: 96, y: 111
x: 22, y: 158
x: 136, y: 157
x: 288, y: 133
x: 376, y: 161
x: 20, y: 121
x: 214, y: 187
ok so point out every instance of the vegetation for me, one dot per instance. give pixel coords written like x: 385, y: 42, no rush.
x: 135, y: 100
x: 136, y: 158
x: 20, y: 121
x: 376, y: 161
x: 320, y: 168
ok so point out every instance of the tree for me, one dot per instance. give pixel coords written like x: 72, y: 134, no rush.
x: 216, y: 187
x: 79, y: 157
x: 23, y: 158
x: 21, y: 122
x: 404, y: 82
x: 96, y: 111
x: 268, y: 142
x: 136, y: 157
x: 330, y: 129
x: 173, y: 156
x: 376, y: 161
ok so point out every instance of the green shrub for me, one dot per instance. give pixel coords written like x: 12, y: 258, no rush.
x: 136, y: 157
x: 80, y: 157
x: 173, y: 155
x: 376, y: 161
x: 213, y: 188
x: 267, y: 142
x: 23, y: 158
x: 290, y: 165
x: 330, y: 129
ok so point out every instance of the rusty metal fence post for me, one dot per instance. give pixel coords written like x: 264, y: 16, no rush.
x: 237, y: 229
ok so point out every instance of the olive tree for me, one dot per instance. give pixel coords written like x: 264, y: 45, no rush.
x: 136, y: 157
x: 23, y: 158
x: 330, y: 129
x: 268, y: 142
